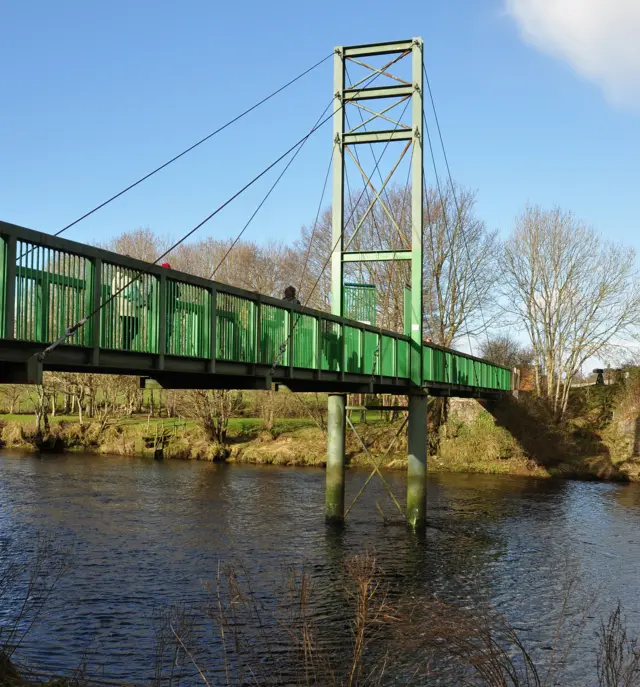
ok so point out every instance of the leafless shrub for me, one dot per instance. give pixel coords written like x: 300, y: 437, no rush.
x: 273, y: 638
x: 618, y: 658
x: 26, y: 585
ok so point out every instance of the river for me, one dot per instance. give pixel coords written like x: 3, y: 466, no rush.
x: 145, y: 534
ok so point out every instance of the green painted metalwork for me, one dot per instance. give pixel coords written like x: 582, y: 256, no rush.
x: 305, y: 345
x: 274, y: 332
x: 376, y: 255
x: 343, y: 140
x: 360, y: 303
x: 237, y: 327
x: 388, y: 363
x: 130, y: 314
x: 187, y: 320
x: 51, y: 292
x: 417, y: 214
x: 353, y: 350
x: 52, y: 283
x: 3, y: 281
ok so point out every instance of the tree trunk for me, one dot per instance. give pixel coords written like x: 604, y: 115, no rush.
x: 268, y: 410
x: 78, y: 400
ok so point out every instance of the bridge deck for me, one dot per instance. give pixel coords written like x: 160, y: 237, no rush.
x: 189, y: 332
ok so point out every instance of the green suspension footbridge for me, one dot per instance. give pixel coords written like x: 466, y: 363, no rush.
x: 67, y: 306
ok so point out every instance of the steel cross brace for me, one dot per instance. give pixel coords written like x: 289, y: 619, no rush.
x: 380, y: 114
x: 376, y: 467
x: 376, y: 197
x: 379, y: 71
x: 385, y: 66
x: 377, y: 194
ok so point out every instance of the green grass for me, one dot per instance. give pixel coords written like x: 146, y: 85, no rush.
x: 236, y: 424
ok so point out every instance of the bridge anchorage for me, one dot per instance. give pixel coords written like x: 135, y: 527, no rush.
x: 71, y: 307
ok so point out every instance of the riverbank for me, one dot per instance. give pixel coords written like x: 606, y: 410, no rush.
x: 512, y: 437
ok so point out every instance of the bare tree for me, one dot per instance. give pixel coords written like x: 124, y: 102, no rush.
x: 12, y: 395
x: 459, y: 266
x: 572, y: 292
x: 504, y: 349
x: 142, y: 244
x: 459, y: 260
x: 40, y: 398
x: 211, y: 409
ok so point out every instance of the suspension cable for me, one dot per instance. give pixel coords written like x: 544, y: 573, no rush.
x: 283, y: 346
x: 367, y: 82
x: 448, y: 231
x: 264, y: 200
x: 355, y: 152
x: 195, y: 145
x: 324, y: 267
x: 315, y: 223
x: 453, y: 191
x: 80, y: 323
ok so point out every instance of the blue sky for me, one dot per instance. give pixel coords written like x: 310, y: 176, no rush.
x: 94, y: 95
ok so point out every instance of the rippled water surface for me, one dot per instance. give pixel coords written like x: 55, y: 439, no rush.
x: 146, y: 534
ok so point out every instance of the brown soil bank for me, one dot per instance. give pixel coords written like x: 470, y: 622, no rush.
x: 599, y: 440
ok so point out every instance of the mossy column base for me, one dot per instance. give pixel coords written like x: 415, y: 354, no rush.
x: 417, y: 462
x: 334, y: 493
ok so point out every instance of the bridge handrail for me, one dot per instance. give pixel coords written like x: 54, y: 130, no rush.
x: 12, y: 232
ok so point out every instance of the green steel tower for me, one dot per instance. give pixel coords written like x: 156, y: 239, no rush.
x: 377, y: 94
x: 380, y: 100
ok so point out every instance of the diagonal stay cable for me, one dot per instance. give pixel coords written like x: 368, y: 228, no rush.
x: 453, y: 190
x: 455, y: 198
x: 264, y: 200
x: 315, y: 223
x: 367, y: 82
x: 376, y: 469
x: 447, y: 229
x: 80, y: 323
x: 377, y: 465
x: 386, y: 193
x: 283, y: 346
x: 195, y: 145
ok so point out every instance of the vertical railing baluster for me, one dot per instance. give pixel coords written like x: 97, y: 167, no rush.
x: 213, y: 329
x: 44, y: 296
x: 259, y: 356
x: 318, y: 346
x: 10, y: 287
x: 94, y: 294
x: 163, y: 303
x: 342, y: 348
x: 290, y: 347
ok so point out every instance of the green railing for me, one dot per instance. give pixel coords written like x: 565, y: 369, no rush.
x: 47, y: 284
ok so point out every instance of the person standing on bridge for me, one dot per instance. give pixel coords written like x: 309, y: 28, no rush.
x: 290, y: 295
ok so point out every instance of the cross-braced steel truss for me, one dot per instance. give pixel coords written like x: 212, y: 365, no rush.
x: 381, y: 125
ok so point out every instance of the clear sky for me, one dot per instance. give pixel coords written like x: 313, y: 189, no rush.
x: 539, y: 101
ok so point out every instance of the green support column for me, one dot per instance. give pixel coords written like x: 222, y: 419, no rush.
x: 334, y: 493
x: 337, y: 214
x: 417, y: 217
x: 417, y: 462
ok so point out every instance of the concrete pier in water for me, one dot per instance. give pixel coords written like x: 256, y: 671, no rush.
x: 417, y: 461
x: 336, y: 426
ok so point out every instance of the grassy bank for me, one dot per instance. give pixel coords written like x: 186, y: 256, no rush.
x: 292, y: 442
x: 598, y: 440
